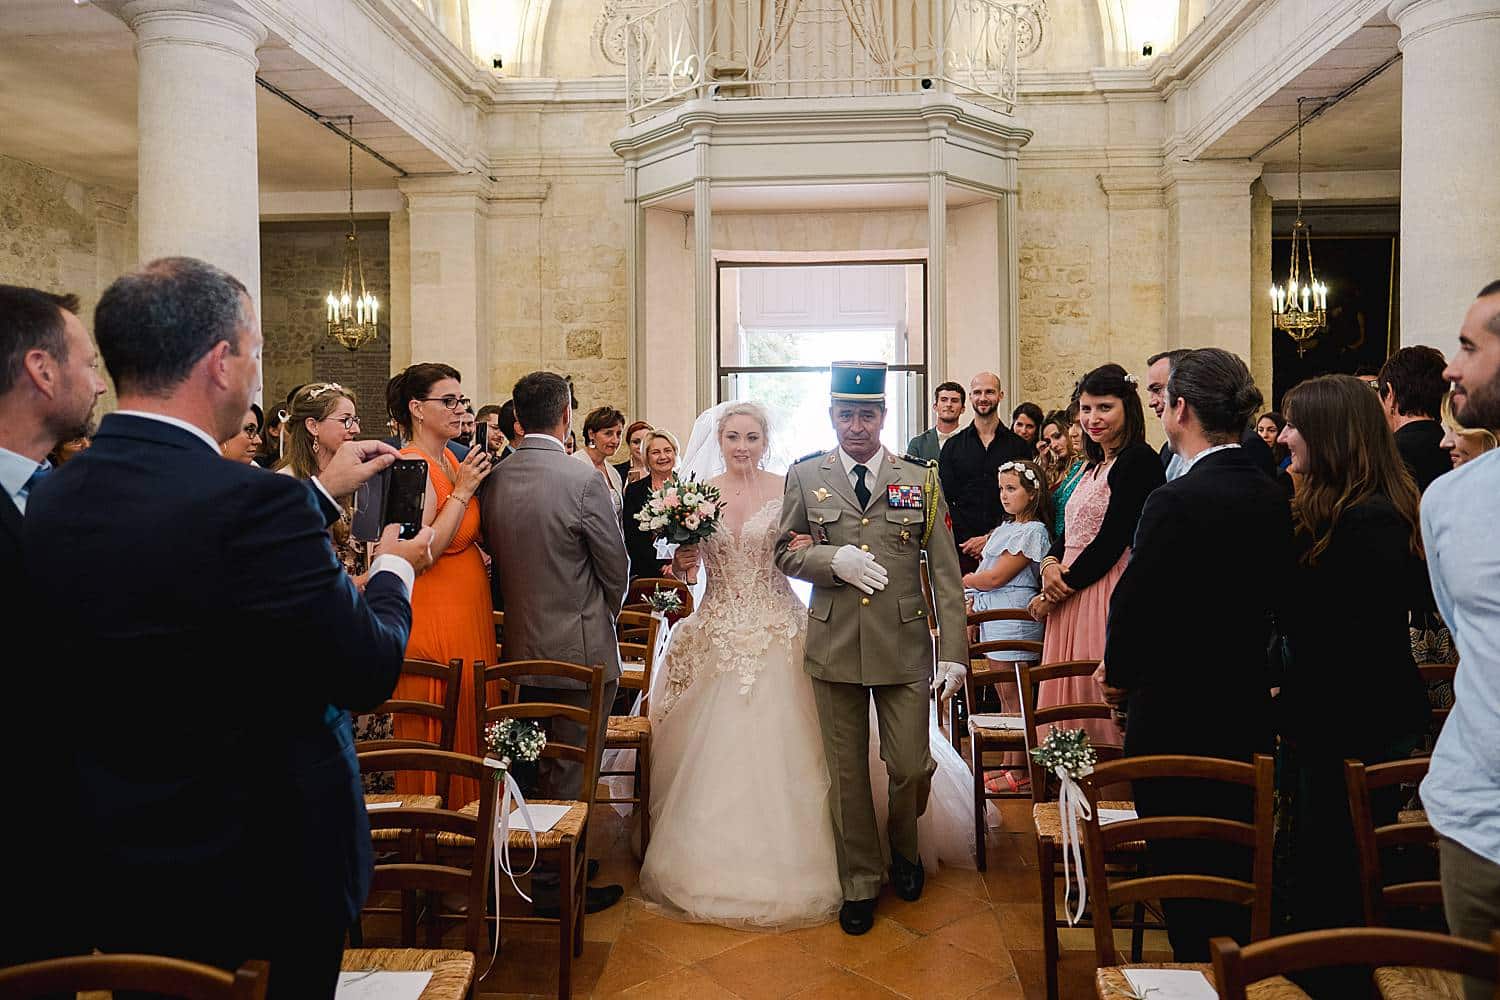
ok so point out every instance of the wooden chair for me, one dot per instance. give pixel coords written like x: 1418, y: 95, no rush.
x: 1398, y: 957
x: 987, y: 673
x: 443, y: 712
x: 1045, y: 816
x: 1102, y: 841
x: 420, y: 868
x: 642, y: 586
x: 1411, y: 830
x: 171, y: 977
x: 565, y: 846
x: 1432, y: 673
x: 638, y: 641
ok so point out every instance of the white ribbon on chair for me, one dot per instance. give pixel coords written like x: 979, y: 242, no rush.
x: 501, y: 832
x: 1072, y: 806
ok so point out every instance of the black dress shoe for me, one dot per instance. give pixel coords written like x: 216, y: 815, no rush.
x: 595, y: 898
x: 857, y: 916
x: 907, y: 878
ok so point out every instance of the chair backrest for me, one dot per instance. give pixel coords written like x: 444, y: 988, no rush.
x: 499, y: 619
x: 643, y: 586
x: 589, y: 717
x: 1433, y: 673
x: 444, y: 711
x: 1235, y: 968
x: 979, y: 648
x: 638, y: 634
x: 1370, y: 840
x: 1029, y: 679
x: 419, y: 864
x: 171, y: 977
x: 1101, y: 840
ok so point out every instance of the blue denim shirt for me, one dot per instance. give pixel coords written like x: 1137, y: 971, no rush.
x: 1462, y: 790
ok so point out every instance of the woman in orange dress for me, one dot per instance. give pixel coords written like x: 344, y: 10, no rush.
x: 451, y: 609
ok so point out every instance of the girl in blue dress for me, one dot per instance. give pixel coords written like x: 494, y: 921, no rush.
x: 1009, y: 576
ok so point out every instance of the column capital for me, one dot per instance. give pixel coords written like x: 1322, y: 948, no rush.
x: 211, y: 23
x: 1212, y: 179
x: 1132, y: 187
x: 1418, y: 17
x: 472, y: 192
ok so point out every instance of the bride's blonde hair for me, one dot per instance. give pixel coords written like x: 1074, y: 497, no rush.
x: 746, y: 408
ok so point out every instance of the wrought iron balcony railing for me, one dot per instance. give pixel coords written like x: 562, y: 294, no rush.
x: 744, y: 49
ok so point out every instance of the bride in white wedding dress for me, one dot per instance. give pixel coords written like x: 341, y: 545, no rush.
x: 741, y: 830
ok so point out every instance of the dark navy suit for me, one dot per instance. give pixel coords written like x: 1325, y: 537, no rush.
x: 204, y: 650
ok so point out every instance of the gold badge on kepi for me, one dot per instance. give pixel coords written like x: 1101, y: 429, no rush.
x: 904, y: 496
x: 821, y: 495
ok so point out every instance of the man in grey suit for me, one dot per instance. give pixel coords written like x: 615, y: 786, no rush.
x: 559, y: 560
x: 948, y: 402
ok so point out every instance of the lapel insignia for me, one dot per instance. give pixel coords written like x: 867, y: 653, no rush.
x: 821, y: 495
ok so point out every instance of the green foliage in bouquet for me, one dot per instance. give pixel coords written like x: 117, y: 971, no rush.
x: 1069, y: 749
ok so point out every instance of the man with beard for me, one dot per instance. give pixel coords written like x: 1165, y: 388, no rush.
x: 969, y: 467
x: 49, y: 380
x: 1462, y: 789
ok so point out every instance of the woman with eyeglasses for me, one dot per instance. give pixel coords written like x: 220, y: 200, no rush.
x: 245, y: 445
x: 452, y: 616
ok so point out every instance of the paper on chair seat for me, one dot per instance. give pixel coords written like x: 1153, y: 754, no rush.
x: 991, y: 721
x: 1108, y: 816
x: 381, y: 985
x: 1171, y: 984
x: 545, y: 817
x: 372, y: 806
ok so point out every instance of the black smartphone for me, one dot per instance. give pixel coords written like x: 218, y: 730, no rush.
x: 482, y: 436
x: 406, y: 495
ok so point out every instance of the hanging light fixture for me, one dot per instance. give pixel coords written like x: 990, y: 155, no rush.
x: 1300, y: 306
x: 353, y: 313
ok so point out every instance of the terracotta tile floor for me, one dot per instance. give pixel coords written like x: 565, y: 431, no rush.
x: 970, y: 935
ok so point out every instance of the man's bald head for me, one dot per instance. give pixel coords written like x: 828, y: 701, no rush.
x: 985, y: 395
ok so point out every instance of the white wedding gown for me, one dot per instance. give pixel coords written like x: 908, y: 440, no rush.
x: 741, y: 830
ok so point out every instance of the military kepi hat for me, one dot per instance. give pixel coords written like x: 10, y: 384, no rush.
x: 858, y: 381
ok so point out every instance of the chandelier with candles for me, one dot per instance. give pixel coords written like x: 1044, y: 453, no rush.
x: 353, y: 313
x: 1300, y: 305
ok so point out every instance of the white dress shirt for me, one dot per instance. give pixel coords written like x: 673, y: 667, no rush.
x: 1188, y: 463
x: 381, y: 564
x: 873, y: 465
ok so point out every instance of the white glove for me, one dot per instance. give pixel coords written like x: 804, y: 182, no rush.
x: 949, y: 679
x: 859, y: 569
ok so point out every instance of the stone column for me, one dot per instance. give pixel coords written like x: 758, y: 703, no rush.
x: 449, y: 258
x: 703, y: 271
x: 195, y: 119
x: 1450, y: 199
x: 937, y: 248
x: 1209, y: 261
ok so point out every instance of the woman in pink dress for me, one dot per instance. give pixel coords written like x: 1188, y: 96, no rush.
x: 1086, y: 560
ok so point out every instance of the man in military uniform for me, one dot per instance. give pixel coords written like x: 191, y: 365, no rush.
x: 871, y: 516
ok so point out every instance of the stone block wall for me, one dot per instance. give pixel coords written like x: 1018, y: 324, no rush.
x: 62, y: 235
x: 301, y: 262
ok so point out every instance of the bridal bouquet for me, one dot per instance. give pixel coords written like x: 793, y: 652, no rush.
x: 683, y: 512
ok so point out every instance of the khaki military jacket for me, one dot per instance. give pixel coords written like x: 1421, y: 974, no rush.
x: 881, y: 638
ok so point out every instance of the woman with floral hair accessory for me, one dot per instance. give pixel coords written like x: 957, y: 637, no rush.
x: 1080, y: 572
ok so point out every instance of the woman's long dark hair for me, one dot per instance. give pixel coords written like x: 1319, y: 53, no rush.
x: 1351, y: 457
x: 414, y: 383
x: 1113, y: 380
x: 1279, y: 450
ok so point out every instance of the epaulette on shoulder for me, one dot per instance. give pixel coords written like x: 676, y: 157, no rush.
x: 925, y: 463
x: 804, y: 458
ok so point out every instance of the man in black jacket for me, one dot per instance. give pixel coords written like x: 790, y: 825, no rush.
x: 211, y: 765
x: 1411, y: 393
x: 1214, y: 548
x: 48, y: 386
